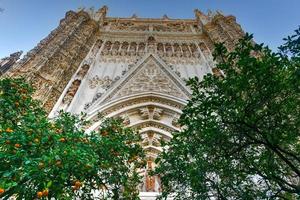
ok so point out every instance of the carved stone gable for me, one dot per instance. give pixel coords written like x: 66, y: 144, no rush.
x: 150, y: 79
x: 150, y: 76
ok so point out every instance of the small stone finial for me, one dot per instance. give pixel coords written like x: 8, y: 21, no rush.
x: 209, y: 13
x: 8, y: 62
x: 92, y: 9
x: 81, y: 8
x: 101, y: 14
x: 199, y: 16
x: 198, y: 13
x: 134, y: 16
x: 165, y: 17
x: 219, y: 12
x: 103, y: 10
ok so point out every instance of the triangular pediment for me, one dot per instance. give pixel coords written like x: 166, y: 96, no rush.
x: 151, y: 75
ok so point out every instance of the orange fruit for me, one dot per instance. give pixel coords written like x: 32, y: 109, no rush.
x: 45, y: 192
x: 17, y: 145
x: 77, y: 184
x: 9, y: 130
x: 36, y: 140
x: 2, y: 191
x: 104, y: 133
x: 39, y: 194
x: 62, y: 139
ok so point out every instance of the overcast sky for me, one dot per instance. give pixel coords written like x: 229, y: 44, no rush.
x: 23, y: 23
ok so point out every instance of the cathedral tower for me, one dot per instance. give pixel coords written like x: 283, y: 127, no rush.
x: 134, y: 68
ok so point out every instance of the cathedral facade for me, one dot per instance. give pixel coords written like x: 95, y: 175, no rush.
x: 134, y: 68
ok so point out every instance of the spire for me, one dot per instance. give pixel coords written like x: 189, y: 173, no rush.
x: 7, y: 62
x: 134, y: 16
x: 101, y: 14
x: 165, y: 17
x: 199, y: 15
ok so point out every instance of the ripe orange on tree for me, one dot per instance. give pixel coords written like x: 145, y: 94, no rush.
x: 2, y: 191
x: 77, y: 184
x: 9, y: 130
x: 45, y: 192
x: 39, y: 194
x: 17, y: 145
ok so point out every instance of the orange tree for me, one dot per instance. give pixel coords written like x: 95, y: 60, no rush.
x: 47, y: 159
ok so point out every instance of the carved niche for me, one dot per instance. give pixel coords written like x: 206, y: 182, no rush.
x: 75, y: 84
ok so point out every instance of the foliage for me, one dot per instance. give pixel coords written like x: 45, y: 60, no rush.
x: 47, y: 159
x: 241, y: 130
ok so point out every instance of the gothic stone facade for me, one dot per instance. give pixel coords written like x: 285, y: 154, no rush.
x: 133, y: 68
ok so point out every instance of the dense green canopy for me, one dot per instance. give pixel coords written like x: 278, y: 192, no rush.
x: 241, y: 128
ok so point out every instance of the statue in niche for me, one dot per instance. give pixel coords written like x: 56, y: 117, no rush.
x: 132, y: 49
x: 160, y: 49
x: 141, y: 49
x: 185, y: 49
x: 169, y: 50
x: 152, y: 182
x: 177, y: 50
x: 124, y: 48
x: 151, y: 44
x: 107, y: 47
x: 82, y: 72
x: 71, y: 91
x: 115, y: 48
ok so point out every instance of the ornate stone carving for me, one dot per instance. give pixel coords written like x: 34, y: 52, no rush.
x: 150, y: 78
x: 104, y: 82
x: 151, y: 139
x: 126, y: 119
x: 175, y: 121
x: 157, y: 112
x: 71, y: 91
x: 145, y: 113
